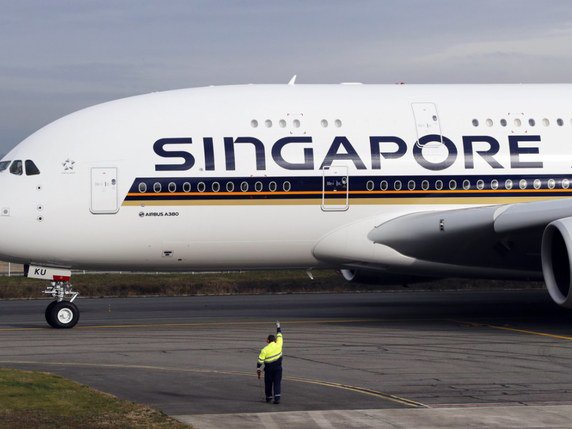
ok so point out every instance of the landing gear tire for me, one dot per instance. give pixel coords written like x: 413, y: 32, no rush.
x: 62, y: 314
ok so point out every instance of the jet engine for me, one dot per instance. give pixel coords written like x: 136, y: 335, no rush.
x: 556, y: 254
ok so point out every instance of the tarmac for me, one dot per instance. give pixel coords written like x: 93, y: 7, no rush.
x: 392, y: 359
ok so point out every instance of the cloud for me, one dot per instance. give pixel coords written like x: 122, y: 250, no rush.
x: 551, y: 44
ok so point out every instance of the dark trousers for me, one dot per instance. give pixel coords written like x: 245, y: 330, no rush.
x: 272, y: 381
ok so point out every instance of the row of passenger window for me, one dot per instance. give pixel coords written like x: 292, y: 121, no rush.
x: 467, y: 185
x: 518, y: 122
x: 295, y: 123
x: 17, y: 167
x: 216, y: 187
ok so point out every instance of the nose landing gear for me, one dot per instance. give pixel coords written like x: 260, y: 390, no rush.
x: 62, y: 313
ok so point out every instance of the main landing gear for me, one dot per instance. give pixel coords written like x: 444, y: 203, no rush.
x: 62, y: 313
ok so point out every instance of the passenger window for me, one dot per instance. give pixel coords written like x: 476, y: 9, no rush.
x: 16, y: 168
x: 31, y: 169
x: 4, y: 165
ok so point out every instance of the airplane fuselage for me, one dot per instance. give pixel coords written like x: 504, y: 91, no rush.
x: 265, y: 176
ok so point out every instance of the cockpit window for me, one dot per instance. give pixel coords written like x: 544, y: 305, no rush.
x: 4, y: 165
x: 31, y: 169
x: 16, y: 168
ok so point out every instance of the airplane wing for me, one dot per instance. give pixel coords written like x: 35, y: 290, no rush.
x: 507, y: 236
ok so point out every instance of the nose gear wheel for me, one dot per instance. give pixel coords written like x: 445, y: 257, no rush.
x: 62, y: 315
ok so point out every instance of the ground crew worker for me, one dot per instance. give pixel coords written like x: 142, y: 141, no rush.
x: 271, y: 357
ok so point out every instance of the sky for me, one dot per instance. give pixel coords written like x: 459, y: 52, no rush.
x: 59, y: 56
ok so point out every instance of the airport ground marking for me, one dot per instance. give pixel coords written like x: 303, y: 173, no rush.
x: 356, y: 389
x: 199, y: 324
x: 21, y: 329
x: 363, y: 390
x: 225, y: 323
x: 508, y: 328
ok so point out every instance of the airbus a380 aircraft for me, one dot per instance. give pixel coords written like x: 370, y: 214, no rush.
x: 420, y: 180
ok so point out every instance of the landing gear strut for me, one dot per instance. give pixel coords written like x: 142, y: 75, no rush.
x: 62, y: 313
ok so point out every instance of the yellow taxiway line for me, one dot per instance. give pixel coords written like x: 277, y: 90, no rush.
x: 522, y: 331
x: 197, y: 324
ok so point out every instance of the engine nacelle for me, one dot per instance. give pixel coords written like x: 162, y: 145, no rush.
x: 372, y: 277
x: 556, y: 255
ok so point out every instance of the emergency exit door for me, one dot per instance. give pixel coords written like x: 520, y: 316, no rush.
x: 104, y: 190
x: 335, y: 188
x: 427, y: 122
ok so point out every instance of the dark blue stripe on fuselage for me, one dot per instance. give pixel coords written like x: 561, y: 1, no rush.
x: 359, y: 186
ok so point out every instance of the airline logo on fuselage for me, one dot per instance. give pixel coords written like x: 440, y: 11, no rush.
x: 524, y: 152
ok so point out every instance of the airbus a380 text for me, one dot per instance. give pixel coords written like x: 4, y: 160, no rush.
x: 380, y: 181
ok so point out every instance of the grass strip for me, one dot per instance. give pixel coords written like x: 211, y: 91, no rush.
x: 41, y: 400
x: 253, y: 282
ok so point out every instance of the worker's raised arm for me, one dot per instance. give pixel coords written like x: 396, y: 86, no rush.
x: 279, y: 339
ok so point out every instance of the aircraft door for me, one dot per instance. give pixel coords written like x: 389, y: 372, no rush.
x: 427, y: 122
x: 104, y: 190
x: 335, y: 188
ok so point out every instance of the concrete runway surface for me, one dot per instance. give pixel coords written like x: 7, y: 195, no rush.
x: 399, y: 359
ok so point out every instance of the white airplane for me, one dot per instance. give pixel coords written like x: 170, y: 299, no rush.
x: 377, y: 180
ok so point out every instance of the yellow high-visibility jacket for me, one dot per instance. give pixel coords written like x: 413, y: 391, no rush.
x: 272, y: 352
